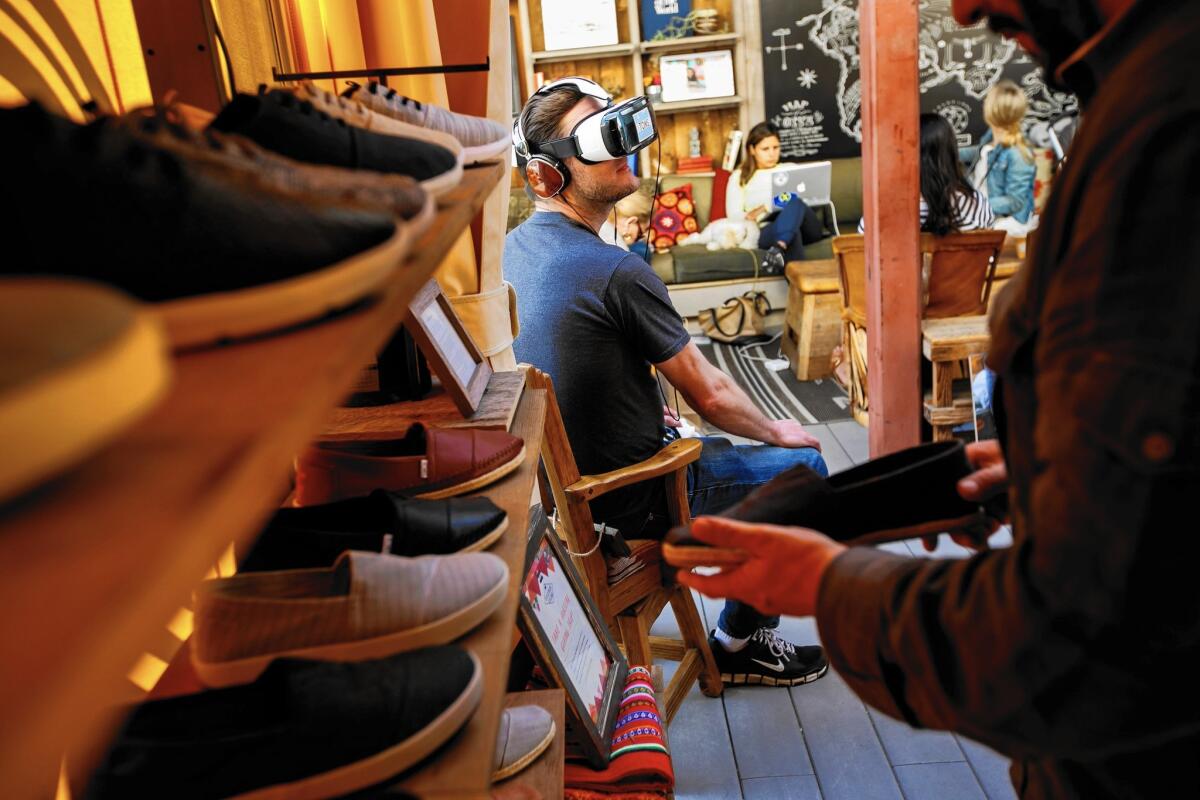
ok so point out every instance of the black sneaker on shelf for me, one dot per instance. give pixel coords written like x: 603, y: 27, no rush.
x: 304, y: 729
x: 769, y: 660
x: 282, y: 122
x: 773, y: 262
x: 222, y: 257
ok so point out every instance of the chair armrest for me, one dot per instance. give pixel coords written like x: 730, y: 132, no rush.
x: 675, y: 456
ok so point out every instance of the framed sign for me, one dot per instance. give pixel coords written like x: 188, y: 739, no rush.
x: 696, y: 76
x: 448, y: 347
x: 579, y: 23
x: 569, y: 640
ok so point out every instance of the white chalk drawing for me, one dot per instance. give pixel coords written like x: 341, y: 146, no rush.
x: 958, y: 114
x: 801, y: 129
x: 971, y: 58
x: 783, y: 47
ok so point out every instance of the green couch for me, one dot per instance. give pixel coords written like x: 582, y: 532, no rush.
x: 698, y: 264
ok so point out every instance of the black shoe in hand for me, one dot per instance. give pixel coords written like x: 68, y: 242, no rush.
x: 769, y: 660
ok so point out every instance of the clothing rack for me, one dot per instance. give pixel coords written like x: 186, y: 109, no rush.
x: 382, y: 73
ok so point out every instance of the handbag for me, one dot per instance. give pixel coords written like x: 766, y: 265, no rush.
x: 738, y: 318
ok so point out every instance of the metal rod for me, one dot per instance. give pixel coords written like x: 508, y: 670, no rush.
x: 382, y: 72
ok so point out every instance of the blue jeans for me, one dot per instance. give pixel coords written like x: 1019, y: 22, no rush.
x: 795, y: 225
x: 723, y: 475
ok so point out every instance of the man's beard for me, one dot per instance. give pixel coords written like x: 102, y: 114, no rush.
x: 601, y: 192
x: 1060, y: 27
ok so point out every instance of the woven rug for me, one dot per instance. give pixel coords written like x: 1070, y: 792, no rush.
x: 777, y: 393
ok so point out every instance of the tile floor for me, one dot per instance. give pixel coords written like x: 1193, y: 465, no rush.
x: 820, y: 741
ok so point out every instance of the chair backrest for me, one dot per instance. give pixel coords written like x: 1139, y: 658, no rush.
x: 961, y: 268
x: 575, y: 519
x: 852, y: 276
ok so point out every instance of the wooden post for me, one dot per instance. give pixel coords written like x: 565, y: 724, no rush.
x: 891, y: 190
x: 177, y: 43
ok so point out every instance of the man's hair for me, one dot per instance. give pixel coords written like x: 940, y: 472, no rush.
x: 544, y: 112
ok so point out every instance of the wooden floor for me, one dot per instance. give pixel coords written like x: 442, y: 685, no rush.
x: 821, y: 741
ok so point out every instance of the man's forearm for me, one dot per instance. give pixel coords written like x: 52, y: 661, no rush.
x: 731, y: 409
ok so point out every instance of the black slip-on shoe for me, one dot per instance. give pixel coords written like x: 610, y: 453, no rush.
x: 769, y: 660
x: 903, y: 495
x: 303, y: 730
x: 281, y: 121
x: 218, y: 258
x: 381, y: 522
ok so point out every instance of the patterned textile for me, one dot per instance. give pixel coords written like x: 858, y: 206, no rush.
x: 674, y: 218
x: 639, y: 766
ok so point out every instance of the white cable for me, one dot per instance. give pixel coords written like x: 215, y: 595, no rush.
x: 601, y: 528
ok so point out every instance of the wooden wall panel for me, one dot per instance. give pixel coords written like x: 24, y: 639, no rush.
x: 714, y: 125
x: 614, y: 73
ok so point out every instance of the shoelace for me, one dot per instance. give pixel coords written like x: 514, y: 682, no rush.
x: 391, y: 95
x: 778, y: 647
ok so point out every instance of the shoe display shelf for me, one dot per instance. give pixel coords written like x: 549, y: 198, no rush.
x: 98, y: 560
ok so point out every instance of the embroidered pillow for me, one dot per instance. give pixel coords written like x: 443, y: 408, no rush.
x: 674, y: 218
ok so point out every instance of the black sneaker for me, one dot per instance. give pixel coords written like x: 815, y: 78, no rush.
x: 382, y: 522
x: 769, y: 660
x: 282, y: 122
x: 223, y: 258
x: 773, y: 262
x: 303, y: 729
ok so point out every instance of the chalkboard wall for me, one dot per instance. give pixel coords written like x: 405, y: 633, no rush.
x: 811, y: 81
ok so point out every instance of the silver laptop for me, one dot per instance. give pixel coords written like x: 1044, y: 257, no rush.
x: 811, y: 182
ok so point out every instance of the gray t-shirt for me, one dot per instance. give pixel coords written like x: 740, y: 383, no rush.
x: 595, y: 317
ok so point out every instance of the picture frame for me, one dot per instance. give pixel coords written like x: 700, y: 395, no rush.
x: 448, y: 347
x: 568, y: 24
x: 697, y: 76
x: 570, y: 641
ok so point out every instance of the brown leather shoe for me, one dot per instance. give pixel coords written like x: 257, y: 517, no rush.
x: 427, y: 462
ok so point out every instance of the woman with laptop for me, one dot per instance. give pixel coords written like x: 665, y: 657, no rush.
x: 786, y: 226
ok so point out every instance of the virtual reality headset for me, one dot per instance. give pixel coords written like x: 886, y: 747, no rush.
x: 615, y: 131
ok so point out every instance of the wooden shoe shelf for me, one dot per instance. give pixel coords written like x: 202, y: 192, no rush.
x: 99, y: 560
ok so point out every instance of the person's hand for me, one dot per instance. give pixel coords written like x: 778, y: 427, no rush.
x: 781, y: 576
x: 671, y: 417
x: 789, y: 433
x: 989, y: 479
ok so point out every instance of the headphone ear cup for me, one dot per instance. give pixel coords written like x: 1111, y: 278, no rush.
x: 550, y: 173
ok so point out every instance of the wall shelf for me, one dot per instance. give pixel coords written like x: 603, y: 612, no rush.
x: 683, y: 106
x: 696, y: 43
x: 103, y: 556
x: 603, y: 51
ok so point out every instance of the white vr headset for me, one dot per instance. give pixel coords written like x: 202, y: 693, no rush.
x: 615, y: 131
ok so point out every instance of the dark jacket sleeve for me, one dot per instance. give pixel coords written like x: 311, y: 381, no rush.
x: 1083, y: 638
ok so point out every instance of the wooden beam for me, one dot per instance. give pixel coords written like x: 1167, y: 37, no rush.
x: 891, y: 188
x: 178, y: 46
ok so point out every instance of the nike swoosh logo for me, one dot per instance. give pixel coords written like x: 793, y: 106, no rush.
x: 776, y: 667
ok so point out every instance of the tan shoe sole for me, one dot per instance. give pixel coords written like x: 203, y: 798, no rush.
x: 527, y: 759
x: 482, y: 153
x: 381, y: 766
x: 689, y: 556
x: 436, y: 632
x: 209, y: 318
x: 80, y: 363
x: 477, y: 483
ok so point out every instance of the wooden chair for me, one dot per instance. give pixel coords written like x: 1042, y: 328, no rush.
x: 632, y: 604
x: 958, y: 271
x: 850, y: 253
x: 960, y: 268
x: 812, y: 322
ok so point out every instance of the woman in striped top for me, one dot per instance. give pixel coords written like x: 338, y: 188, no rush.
x: 949, y: 203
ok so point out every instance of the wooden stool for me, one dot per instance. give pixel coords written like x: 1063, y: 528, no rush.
x: 813, y: 324
x: 947, y: 343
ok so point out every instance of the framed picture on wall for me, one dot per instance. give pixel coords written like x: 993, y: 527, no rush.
x: 697, y: 76
x: 579, y: 23
x: 448, y: 347
x: 569, y: 641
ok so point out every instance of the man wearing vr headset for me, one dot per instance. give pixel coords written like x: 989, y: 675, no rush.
x: 596, y: 318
